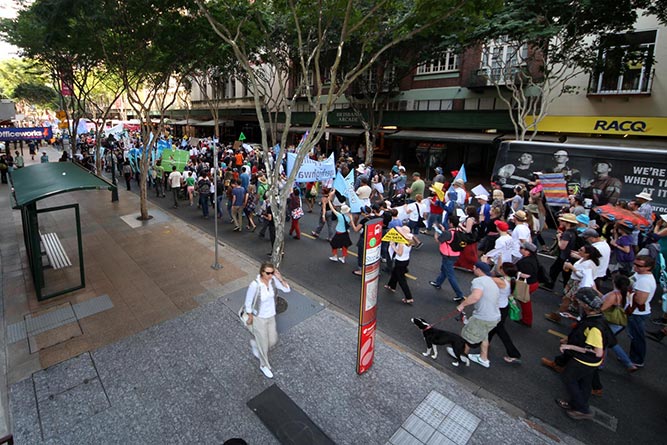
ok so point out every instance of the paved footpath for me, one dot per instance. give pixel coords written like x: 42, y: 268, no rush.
x: 151, y: 350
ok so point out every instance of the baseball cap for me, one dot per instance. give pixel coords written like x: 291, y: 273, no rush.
x: 589, y: 233
x: 484, y: 267
x: 502, y: 225
x: 529, y: 246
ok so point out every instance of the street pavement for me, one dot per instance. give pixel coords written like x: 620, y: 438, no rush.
x: 184, y: 371
x: 529, y: 386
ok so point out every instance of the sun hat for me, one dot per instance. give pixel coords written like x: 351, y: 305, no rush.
x: 344, y: 209
x: 568, y: 217
x: 459, y: 182
x: 482, y: 197
x: 361, y: 168
x: 644, y: 195
x: 664, y: 217
x: 502, y: 225
x: 583, y: 219
x: 533, y: 208
x: 520, y: 215
x: 405, y: 231
x: 589, y: 297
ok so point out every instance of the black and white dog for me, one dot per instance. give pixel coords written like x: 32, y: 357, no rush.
x: 434, y: 337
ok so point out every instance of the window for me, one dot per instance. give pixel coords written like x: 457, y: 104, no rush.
x: 501, y: 59
x: 433, y: 105
x: 448, y: 62
x: 230, y: 91
x: 217, y: 86
x: 625, y: 65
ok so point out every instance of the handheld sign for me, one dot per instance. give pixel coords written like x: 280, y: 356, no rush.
x: 393, y: 235
x: 242, y: 137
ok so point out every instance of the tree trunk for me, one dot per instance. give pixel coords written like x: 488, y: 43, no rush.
x: 278, y: 207
x: 143, y: 187
x: 370, y: 145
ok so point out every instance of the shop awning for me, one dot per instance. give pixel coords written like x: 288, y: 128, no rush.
x: 331, y: 130
x: 446, y: 136
x: 39, y: 181
x: 186, y: 122
x: 210, y: 123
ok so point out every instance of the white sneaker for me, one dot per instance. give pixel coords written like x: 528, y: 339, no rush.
x: 464, y: 359
x: 255, y: 351
x: 266, y: 371
x: 342, y: 259
x: 479, y: 360
x: 333, y: 258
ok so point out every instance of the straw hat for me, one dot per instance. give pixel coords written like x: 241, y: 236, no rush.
x: 533, y: 208
x: 644, y: 195
x: 569, y: 217
x: 520, y: 215
x: 405, y: 231
x: 344, y: 209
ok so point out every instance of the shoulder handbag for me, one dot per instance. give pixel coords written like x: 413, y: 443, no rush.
x: 515, y: 310
x: 616, y: 315
x: 521, y: 290
x: 297, y: 213
x: 243, y: 315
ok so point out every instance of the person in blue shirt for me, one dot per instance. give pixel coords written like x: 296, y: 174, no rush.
x: 341, y: 240
x: 244, y: 177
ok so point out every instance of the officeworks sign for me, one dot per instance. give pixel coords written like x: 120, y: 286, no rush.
x: 25, y: 134
x: 619, y: 125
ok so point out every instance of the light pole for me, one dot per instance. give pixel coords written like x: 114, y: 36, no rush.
x: 216, y: 265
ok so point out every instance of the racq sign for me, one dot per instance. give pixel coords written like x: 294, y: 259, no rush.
x: 616, y: 125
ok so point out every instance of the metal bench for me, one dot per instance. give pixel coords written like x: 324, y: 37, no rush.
x: 58, y: 259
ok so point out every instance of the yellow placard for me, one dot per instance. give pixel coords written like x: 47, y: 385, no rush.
x: 394, y: 236
x: 620, y: 125
x: 437, y: 188
x: 60, y: 114
x: 63, y: 124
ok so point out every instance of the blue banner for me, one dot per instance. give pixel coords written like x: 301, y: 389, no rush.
x: 345, y: 186
x: 311, y: 170
x: 25, y: 134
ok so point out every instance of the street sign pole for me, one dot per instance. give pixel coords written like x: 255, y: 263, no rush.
x: 370, y: 278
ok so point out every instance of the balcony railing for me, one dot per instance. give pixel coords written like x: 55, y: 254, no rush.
x: 626, y: 84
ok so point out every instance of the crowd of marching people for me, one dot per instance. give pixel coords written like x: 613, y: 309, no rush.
x: 609, y: 271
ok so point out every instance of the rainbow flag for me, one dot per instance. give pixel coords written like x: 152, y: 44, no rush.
x: 555, y: 188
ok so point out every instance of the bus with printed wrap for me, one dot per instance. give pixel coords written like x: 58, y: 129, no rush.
x: 601, y: 174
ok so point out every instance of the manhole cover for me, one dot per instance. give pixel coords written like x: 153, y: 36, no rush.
x: 281, y: 305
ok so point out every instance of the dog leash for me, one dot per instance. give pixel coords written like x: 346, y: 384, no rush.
x: 448, y: 316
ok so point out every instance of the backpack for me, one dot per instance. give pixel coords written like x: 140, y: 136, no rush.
x: 205, y: 188
x: 458, y: 241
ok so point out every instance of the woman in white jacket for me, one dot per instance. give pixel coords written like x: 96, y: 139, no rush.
x: 260, y: 305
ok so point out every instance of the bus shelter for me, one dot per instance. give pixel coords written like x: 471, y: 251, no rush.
x: 45, y: 250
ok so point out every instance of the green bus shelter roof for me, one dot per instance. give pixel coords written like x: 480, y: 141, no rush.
x: 40, y: 181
